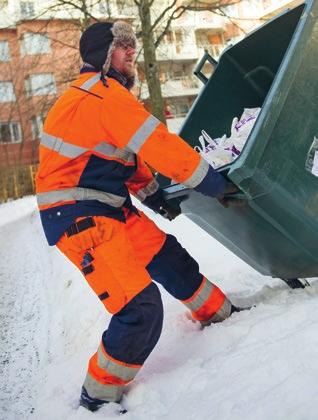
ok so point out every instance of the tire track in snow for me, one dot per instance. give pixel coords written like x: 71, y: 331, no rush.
x: 23, y: 317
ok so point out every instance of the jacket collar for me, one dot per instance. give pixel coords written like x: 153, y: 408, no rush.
x: 112, y: 73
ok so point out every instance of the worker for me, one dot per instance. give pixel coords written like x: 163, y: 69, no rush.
x: 97, y: 143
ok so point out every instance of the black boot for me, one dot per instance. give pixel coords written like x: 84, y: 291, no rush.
x: 94, y: 404
x: 238, y: 309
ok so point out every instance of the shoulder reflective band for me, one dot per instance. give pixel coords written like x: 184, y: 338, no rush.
x: 79, y: 194
x: 150, y: 189
x: 72, y: 151
x: 143, y: 132
x: 61, y: 147
x: 198, y: 175
x: 90, y: 82
x: 121, y: 371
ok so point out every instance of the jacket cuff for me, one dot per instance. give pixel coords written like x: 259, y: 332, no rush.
x: 213, y: 184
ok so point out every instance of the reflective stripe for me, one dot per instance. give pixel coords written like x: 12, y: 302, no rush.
x: 63, y: 148
x: 90, y: 82
x: 72, y: 151
x: 109, y: 150
x: 125, y: 373
x: 223, y: 313
x: 78, y: 194
x: 150, y: 189
x: 126, y: 155
x: 105, y: 149
x: 198, y: 175
x: 100, y: 391
x: 143, y: 132
x: 201, y: 297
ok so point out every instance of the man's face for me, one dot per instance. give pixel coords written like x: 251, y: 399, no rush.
x: 123, y: 61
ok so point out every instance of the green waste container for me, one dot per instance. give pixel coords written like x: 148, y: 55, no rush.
x: 275, y: 68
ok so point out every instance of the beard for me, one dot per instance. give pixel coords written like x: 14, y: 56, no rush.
x: 128, y: 82
x: 128, y: 71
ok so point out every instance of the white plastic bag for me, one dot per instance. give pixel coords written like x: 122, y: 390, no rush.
x: 212, y: 150
x: 223, y: 150
x: 242, y: 128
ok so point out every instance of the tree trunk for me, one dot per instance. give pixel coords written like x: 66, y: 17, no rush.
x: 151, y: 66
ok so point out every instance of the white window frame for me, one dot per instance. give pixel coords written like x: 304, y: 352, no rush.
x: 4, y: 51
x: 35, y: 43
x: 36, y: 87
x: 7, y: 92
x: 36, y: 126
x: 125, y: 7
x: 102, y: 8
x: 13, y: 138
x: 26, y: 9
x: 3, y: 4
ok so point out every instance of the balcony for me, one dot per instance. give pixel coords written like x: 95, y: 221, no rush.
x: 181, y: 86
x: 124, y: 10
x: 274, y: 7
x: 184, y: 52
x: 215, y: 50
x: 203, y: 20
x: 177, y: 51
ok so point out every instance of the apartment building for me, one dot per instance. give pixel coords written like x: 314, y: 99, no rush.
x: 274, y: 7
x: 39, y: 57
x: 178, y: 54
x: 37, y: 61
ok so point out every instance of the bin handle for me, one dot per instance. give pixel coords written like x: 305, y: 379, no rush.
x: 237, y: 196
x: 175, y: 191
x: 182, y: 192
x: 197, y: 70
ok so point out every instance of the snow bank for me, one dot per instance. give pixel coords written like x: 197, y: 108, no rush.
x: 256, y: 365
x: 15, y: 210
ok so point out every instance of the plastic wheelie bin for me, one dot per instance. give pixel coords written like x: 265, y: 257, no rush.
x: 275, y: 68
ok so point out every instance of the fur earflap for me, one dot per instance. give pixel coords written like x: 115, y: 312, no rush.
x: 123, y: 37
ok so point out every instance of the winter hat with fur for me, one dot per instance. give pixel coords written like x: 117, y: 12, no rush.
x: 99, y: 40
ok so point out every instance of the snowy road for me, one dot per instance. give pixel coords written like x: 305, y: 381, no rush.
x: 257, y: 365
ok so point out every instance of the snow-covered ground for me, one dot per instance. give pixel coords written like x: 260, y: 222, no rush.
x: 174, y: 124
x: 257, y: 365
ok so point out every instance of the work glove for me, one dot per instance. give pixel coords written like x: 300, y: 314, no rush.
x: 226, y: 200
x: 167, y: 209
x: 170, y: 209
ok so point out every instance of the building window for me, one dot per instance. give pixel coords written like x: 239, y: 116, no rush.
x: 35, y: 44
x: 104, y: 7
x: 10, y: 132
x: 40, y: 84
x: 6, y: 92
x: 36, y: 126
x: 4, y: 51
x: 26, y: 9
x: 124, y: 7
x: 3, y: 4
x: 232, y: 10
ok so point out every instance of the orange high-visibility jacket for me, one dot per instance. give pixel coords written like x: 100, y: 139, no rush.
x: 95, y: 141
